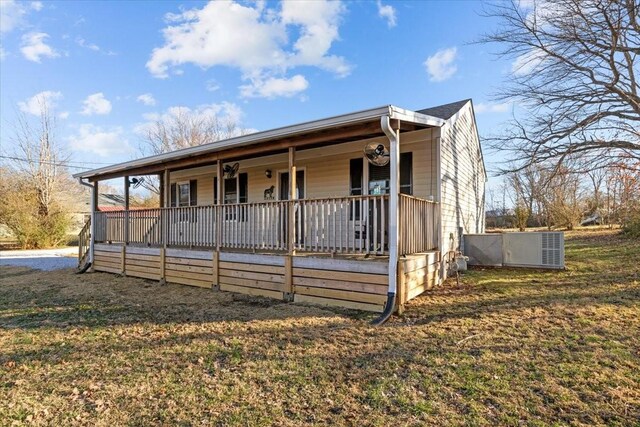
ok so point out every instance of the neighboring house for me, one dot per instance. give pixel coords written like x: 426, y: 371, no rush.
x: 301, y: 213
x: 81, y: 208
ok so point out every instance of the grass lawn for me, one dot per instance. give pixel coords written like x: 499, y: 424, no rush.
x: 506, y: 347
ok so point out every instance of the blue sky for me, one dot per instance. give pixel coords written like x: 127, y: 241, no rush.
x: 107, y: 68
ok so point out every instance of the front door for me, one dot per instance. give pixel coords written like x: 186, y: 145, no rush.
x: 284, y: 195
x: 284, y: 185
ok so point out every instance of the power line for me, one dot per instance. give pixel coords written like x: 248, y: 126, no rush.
x: 71, y: 165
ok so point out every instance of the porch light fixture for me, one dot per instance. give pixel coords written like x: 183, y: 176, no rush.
x: 267, y: 173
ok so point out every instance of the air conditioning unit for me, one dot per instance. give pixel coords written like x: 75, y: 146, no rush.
x: 519, y: 249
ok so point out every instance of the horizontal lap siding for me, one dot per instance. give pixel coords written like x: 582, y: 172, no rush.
x: 326, y: 169
x: 186, y: 267
x: 361, y: 285
x: 107, y: 259
x: 417, y: 274
x: 143, y: 263
x: 251, y: 274
x: 463, y: 179
x: 352, y: 284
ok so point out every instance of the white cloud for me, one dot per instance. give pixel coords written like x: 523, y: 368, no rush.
x: 35, y: 104
x: 527, y: 62
x: 91, y: 46
x: 263, y: 50
x: 97, y: 140
x: 274, y: 87
x: 488, y: 107
x: 440, y: 65
x: 64, y: 115
x: 388, y: 13
x: 147, y: 99
x: 96, y: 104
x: 34, y: 47
x: 212, y: 85
x: 12, y: 13
x: 3, y: 53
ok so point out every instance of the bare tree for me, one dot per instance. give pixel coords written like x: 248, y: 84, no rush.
x: 38, y: 157
x: 574, y: 77
x: 33, y: 183
x: 564, y: 200
x: 183, y: 128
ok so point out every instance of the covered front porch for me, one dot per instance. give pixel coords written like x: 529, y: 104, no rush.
x: 302, y: 214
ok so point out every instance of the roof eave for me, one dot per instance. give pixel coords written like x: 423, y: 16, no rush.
x: 255, y: 138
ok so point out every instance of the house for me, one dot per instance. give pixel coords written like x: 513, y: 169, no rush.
x: 361, y: 210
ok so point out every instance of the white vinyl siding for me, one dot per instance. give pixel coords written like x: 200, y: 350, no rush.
x: 326, y: 169
x: 463, y: 178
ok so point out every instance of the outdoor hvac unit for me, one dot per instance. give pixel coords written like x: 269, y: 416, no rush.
x: 526, y: 249
x: 533, y: 249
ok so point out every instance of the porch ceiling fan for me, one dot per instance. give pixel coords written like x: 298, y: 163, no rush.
x: 231, y: 171
x: 136, y: 182
x: 377, y: 154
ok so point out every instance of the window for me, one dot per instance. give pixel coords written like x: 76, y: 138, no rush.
x: 183, y: 194
x: 380, y: 176
x: 236, y: 190
x: 230, y: 191
x: 355, y: 185
x: 406, y: 173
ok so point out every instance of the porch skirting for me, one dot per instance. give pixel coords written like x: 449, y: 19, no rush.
x: 351, y: 283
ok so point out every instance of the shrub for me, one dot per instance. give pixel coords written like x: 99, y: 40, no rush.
x: 632, y: 227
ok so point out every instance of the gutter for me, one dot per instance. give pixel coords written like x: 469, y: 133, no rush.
x: 93, y: 219
x: 394, y: 154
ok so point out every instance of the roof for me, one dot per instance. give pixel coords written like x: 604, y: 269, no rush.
x: 445, y: 111
x: 421, y: 117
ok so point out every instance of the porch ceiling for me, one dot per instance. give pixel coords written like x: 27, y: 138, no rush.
x: 336, y: 130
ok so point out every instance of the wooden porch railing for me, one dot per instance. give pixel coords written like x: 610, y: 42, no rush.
x: 84, y: 242
x: 352, y: 225
x: 418, y: 225
x: 346, y: 225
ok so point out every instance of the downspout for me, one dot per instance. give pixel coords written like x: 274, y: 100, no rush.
x: 394, y: 154
x: 93, y: 220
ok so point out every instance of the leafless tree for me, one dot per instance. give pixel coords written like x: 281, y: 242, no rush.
x: 574, y: 83
x: 38, y: 157
x: 183, y: 128
x: 33, y: 182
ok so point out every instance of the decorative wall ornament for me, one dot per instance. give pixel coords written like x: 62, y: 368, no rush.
x: 268, y: 193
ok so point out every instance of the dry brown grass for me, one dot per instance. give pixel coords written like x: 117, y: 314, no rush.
x: 507, y: 347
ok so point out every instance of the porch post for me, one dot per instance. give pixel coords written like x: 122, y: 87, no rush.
x: 215, y: 261
x: 167, y: 188
x: 92, y: 228
x: 166, y: 202
x: 293, y: 194
x: 220, y: 179
x: 126, y: 210
x: 161, y: 189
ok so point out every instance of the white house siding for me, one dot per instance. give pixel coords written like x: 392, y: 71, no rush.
x: 463, y: 178
x: 326, y: 176
x: 326, y: 169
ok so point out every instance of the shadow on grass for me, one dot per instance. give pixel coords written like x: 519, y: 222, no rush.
x: 31, y: 299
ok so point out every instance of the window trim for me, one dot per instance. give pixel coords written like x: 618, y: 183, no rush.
x: 178, y: 185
